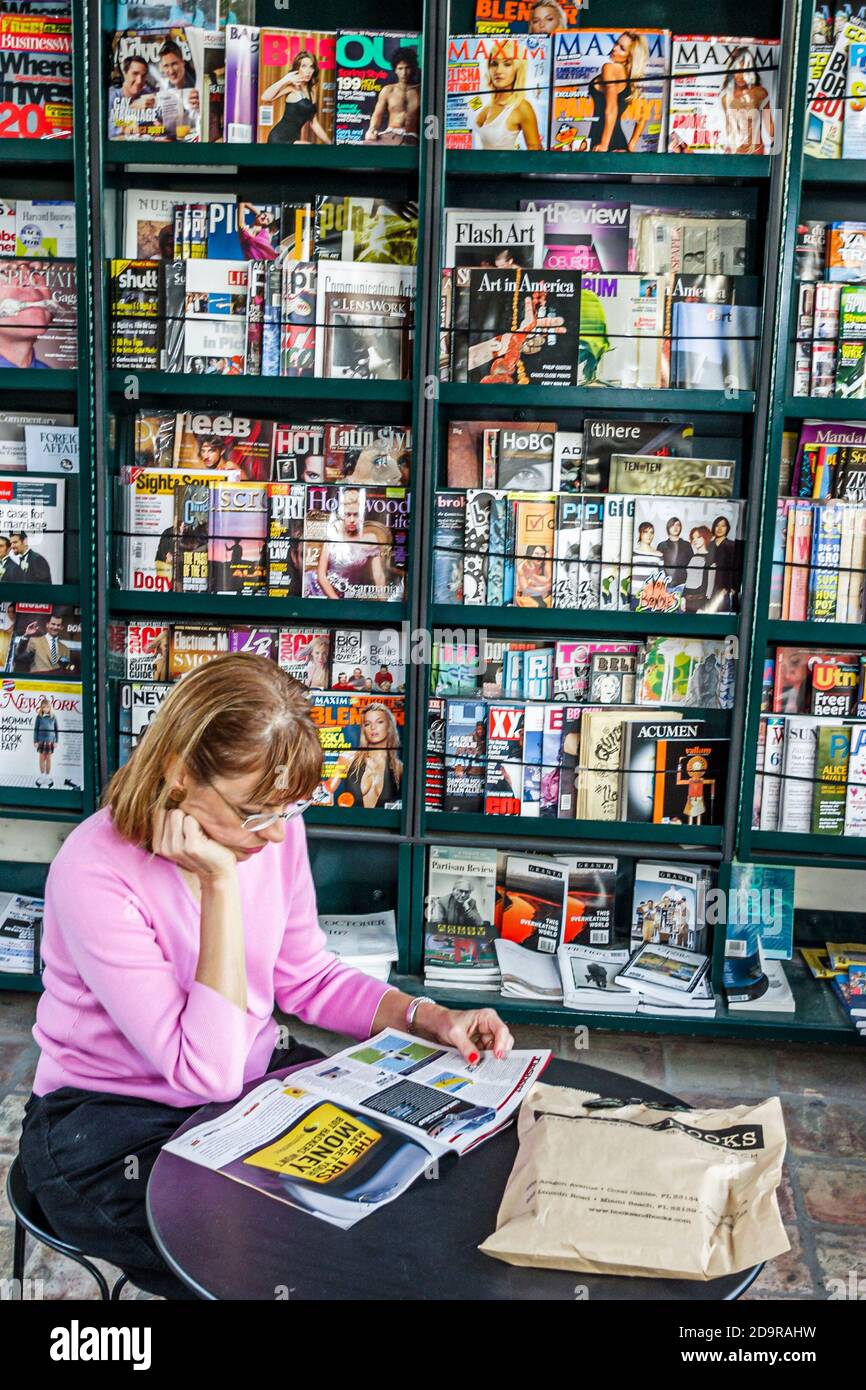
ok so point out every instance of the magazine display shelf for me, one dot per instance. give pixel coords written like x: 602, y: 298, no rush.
x: 821, y: 189
x: 60, y: 382
x: 547, y: 164
x: 361, y: 858
x: 568, y: 620
x: 763, y: 188
x: 57, y: 152
x: 805, y: 407
x: 598, y: 397
x: 371, y: 159
x: 187, y: 386
x: 826, y: 172
x: 61, y: 169
x: 365, y: 861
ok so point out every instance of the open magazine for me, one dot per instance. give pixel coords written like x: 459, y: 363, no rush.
x: 349, y: 1133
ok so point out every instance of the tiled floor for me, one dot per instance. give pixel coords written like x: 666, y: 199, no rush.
x: 823, y: 1091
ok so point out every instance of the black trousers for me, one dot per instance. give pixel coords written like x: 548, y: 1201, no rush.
x: 87, y: 1156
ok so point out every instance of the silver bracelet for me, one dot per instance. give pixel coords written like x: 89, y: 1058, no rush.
x: 414, y: 1006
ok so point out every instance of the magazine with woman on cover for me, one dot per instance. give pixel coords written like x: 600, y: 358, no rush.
x: 498, y: 92
x: 610, y: 90
x: 297, y: 81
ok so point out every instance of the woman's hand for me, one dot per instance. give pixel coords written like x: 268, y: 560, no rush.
x: 180, y: 838
x: 471, y: 1031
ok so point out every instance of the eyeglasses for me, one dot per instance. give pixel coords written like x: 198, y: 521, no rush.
x: 260, y: 820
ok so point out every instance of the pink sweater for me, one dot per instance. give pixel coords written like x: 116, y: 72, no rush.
x: 122, y: 1011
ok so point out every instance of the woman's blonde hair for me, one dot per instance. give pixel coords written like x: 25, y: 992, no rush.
x: 561, y: 17
x: 231, y: 717
x: 511, y: 54
x: 638, y: 54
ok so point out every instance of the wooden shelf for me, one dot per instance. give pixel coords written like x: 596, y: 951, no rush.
x: 820, y: 408
x: 37, y: 379
x: 529, y: 828
x: 257, y: 608
x: 839, y: 171
x: 569, y: 621
x: 597, y: 398
x: 363, y: 158
x: 553, y: 164
x: 186, y: 386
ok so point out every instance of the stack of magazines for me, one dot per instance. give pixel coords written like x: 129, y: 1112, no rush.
x: 367, y: 943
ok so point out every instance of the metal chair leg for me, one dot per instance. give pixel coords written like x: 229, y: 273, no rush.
x: 116, y: 1291
x: 18, y: 1252
x: 91, y: 1269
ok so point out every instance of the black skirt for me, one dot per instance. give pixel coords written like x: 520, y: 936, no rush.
x: 87, y: 1157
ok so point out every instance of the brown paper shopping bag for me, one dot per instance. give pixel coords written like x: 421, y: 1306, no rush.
x: 638, y: 1190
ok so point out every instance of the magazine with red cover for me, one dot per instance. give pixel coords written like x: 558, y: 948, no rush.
x: 297, y: 87
x: 36, y: 76
x: 534, y: 910
x: 38, y: 314
x: 504, y: 779
x: 305, y: 654
x: 224, y: 442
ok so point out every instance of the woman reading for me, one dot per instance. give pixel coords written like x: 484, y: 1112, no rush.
x: 175, y: 918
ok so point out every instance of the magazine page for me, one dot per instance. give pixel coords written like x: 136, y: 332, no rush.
x: 330, y: 1160
x: 426, y: 1087
x: 353, y: 1131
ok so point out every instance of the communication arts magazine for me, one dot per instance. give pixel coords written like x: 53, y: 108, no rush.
x: 364, y: 320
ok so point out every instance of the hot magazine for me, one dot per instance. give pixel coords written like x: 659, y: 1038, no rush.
x: 342, y: 1137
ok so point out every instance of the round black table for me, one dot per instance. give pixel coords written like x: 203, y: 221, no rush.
x: 226, y: 1241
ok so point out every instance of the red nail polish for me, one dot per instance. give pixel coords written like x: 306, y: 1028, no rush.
x: 499, y: 1053
x: 473, y: 1058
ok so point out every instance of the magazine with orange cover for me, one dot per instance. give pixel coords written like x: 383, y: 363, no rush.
x: 535, y: 532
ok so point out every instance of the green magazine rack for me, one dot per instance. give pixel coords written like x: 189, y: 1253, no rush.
x: 366, y: 860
